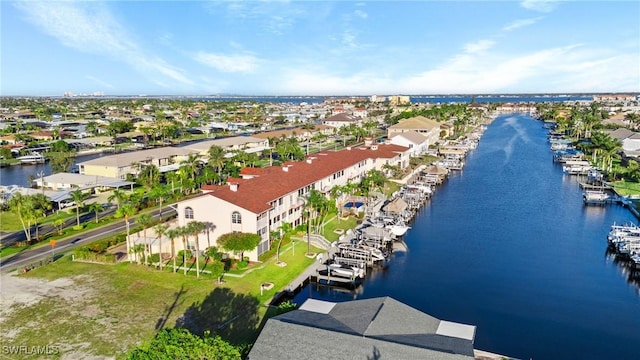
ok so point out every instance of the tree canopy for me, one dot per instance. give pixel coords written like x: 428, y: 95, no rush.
x: 239, y: 241
x: 179, y: 343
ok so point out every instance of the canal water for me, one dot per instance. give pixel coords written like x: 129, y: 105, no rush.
x: 19, y: 174
x: 508, y: 246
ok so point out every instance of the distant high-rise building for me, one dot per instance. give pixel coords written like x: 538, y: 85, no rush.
x: 399, y: 100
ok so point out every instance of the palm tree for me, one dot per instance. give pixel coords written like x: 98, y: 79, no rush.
x: 172, y: 234
x: 78, y: 196
x: 95, y: 208
x: 160, y: 230
x: 284, y: 230
x: 172, y: 177
x: 159, y: 192
x: 149, y: 175
x: 136, y: 250
x: 195, y: 228
x: 184, y: 232
x: 217, y: 159
x: 145, y: 220
x: 23, y: 207
x: 119, y: 195
x: 190, y: 166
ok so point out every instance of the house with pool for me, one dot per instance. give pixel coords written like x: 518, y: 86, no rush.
x: 264, y: 198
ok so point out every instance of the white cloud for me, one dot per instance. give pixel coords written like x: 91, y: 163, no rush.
x: 361, y: 14
x: 540, y: 5
x: 228, y: 63
x: 478, y: 46
x: 89, y: 27
x: 521, y: 23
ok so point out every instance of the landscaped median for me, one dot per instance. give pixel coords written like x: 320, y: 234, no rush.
x: 105, y: 310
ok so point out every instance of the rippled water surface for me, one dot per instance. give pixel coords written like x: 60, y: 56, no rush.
x: 507, y: 245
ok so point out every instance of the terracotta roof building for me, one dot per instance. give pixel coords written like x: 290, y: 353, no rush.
x: 263, y: 199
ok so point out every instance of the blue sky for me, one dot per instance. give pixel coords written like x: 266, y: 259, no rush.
x: 319, y: 47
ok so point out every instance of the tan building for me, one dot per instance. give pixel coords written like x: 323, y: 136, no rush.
x: 249, y: 144
x: 428, y: 128
x: 119, y: 165
x: 399, y: 100
x: 340, y: 120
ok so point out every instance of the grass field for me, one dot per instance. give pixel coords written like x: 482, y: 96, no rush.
x: 111, y: 308
x: 9, y: 221
x: 626, y: 188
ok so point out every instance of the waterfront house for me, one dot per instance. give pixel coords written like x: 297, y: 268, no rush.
x: 248, y: 144
x: 299, y: 132
x: 264, y: 198
x: 418, y: 143
x: 378, y: 328
x: 71, y: 181
x: 342, y: 119
x: 428, y: 128
x: 118, y: 166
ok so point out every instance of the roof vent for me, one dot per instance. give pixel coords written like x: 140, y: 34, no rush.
x: 285, y: 168
x: 233, y: 186
x: 374, y: 147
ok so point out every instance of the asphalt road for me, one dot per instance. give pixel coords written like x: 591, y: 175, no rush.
x: 11, y: 238
x: 24, y: 258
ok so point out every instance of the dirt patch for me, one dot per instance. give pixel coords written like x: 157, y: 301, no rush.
x: 17, y: 291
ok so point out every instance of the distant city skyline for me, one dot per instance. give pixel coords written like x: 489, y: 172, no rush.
x: 319, y: 48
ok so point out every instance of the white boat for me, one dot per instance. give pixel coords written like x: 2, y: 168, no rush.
x: 346, y: 271
x: 595, y: 197
x: 398, y: 230
x: 33, y: 158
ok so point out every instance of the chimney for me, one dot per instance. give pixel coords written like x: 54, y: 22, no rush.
x: 368, y: 141
x: 348, y: 147
x: 309, y: 161
x: 374, y: 147
x: 285, y: 168
x: 233, y: 186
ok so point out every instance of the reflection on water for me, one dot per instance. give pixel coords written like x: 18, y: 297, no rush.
x: 510, y: 247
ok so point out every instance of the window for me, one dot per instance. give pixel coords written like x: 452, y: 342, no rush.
x: 188, y: 213
x: 236, y: 218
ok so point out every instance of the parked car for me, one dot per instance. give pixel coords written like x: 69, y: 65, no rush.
x: 66, y: 204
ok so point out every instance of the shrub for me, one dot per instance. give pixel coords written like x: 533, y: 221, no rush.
x: 242, y: 264
x: 98, y: 246
x: 216, y: 268
x: 154, y: 258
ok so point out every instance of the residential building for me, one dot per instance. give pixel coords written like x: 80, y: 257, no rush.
x: 341, y: 119
x: 377, y: 328
x: 71, y: 181
x: 300, y: 133
x: 118, y: 166
x: 399, y: 100
x: 428, y: 128
x: 418, y: 143
x: 264, y: 198
x: 249, y: 144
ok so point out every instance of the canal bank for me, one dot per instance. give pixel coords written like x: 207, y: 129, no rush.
x: 507, y: 245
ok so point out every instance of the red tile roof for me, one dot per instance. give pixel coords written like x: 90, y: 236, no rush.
x: 256, y: 193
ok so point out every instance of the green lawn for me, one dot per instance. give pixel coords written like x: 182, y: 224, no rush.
x: 626, y: 188
x: 336, y: 223
x: 9, y: 221
x: 115, y: 307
